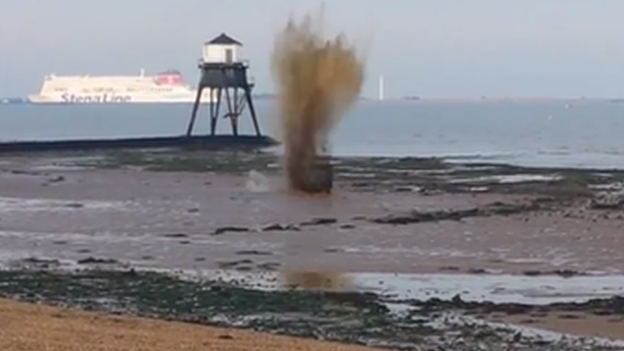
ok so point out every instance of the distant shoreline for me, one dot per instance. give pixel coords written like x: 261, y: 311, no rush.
x: 17, y: 100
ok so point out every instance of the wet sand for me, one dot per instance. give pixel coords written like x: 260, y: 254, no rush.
x: 579, y: 323
x: 169, y: 220
x: 29, y: 327
x: 418, y: 217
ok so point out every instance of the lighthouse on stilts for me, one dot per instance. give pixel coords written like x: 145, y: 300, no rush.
x: 224, y: 77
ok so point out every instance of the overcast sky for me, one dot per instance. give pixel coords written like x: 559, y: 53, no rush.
x: 430, y: 48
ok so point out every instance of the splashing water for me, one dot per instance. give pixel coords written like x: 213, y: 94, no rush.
x: 257, y: 182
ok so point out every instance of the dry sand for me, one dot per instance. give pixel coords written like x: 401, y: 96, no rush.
x: 28, y: 327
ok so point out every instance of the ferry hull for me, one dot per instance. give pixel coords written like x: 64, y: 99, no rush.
x: 81, y: 100
x: 165, y: 87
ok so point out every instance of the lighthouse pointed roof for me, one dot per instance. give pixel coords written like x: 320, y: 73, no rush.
x: 224, y: 39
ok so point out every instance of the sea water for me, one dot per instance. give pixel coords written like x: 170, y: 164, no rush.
x: 585, y: 134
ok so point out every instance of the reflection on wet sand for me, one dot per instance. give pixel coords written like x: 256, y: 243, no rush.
x: 319, y: 281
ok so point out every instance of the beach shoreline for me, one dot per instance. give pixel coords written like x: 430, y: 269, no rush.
x: 169, y: 211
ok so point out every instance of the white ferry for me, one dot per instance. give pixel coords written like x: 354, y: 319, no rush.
x: 164, y: 87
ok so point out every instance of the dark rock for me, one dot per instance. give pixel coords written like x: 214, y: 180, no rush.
x: 231, y: 264
x: 243, y: 268
x: 477, y: 271
x: 496, y: 208
x: 40, y: 263
x: 269, y: 266
x: 319, y: 221
x: 569, y: 316
x: 365, y: 300
x: 503, y: 209
x: 23, y: 172
x: 418, y: 217
x: 222, y: 230
x: 279, y: 227
x: 566, y: 273
x: 602, y: 313
x: 56, y: 179
x: 532, y: 273
x: 93, y: 260
x: 254, y: 253
x: 176, y: 235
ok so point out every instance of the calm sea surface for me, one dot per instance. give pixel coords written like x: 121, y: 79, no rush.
x: 589, y: 134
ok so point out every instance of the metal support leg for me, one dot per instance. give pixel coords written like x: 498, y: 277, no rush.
x: 214, y: 112
x: 231, y: 112
x: 240, y: 106
x: 189, y: 129
x: 252, y: 110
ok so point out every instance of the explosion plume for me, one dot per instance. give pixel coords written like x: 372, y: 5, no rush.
x: 318, y: 80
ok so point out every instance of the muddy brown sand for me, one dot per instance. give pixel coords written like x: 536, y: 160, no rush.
x: 167, y: 220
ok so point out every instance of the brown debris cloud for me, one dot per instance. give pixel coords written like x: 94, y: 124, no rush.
x: 318, y: 80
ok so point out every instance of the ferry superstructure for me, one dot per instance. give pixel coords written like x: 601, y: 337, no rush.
x: 164, y: 87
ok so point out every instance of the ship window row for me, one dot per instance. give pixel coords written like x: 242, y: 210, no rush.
x: 111, y: 90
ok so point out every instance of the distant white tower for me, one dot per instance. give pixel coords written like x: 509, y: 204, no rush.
x: 381, y: 88
x: 223, y: 72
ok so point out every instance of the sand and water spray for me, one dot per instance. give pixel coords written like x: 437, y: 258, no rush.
x: 318, y: 79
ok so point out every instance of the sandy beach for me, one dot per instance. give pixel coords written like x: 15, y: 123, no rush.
x: 387, y: 216
x: 28, y: 327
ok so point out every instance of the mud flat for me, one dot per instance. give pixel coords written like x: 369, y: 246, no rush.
x: 543, y: 232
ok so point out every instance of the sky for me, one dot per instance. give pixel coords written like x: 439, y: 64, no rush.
x: 426, y: 48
